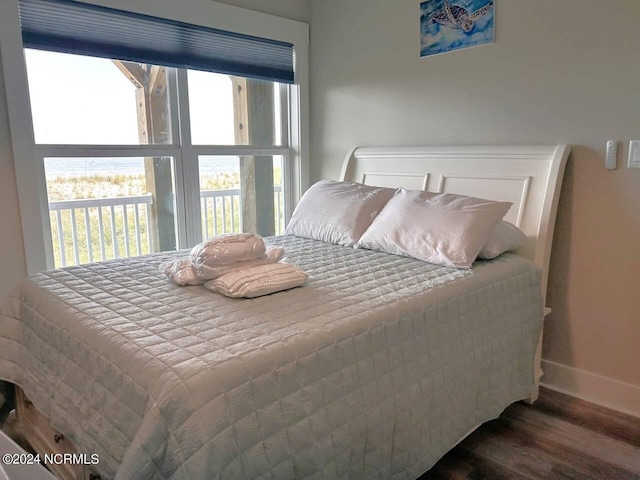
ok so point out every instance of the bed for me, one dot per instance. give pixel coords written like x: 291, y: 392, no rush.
x: 374, y: 369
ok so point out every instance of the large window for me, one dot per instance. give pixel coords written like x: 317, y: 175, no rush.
x: 134, y: 158
x: 105, y: 205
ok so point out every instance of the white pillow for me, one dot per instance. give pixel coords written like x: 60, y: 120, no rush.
x: 444, y: 228
x: 337, y: 212
x: 506, y: 237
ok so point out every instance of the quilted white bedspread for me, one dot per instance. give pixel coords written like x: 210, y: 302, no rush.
x: 373, y: 369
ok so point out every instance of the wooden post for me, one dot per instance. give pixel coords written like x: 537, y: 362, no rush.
x: 254, y: 125
x: 154, y: 127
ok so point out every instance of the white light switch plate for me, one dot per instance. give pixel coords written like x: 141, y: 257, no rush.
x: 634, y: 154
x: 611, y: 156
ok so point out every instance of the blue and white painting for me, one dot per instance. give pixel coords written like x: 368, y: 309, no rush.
x: 447, y: 25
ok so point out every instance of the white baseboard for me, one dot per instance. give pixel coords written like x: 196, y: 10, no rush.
x: 604, y: 391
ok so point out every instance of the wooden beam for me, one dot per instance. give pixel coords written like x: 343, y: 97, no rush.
x: 254, y: 124
x: 152, y: 109
x: 240, y: 110
x: 144, y: 116
x: 157, y: 81
x: 154, y: 127
x: 159, y: 114
x: 134, y: 72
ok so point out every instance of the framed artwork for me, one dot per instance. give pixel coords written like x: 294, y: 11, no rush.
x: 447, y: 25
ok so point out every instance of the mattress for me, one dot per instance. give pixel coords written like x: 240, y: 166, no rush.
x: 373, y: 369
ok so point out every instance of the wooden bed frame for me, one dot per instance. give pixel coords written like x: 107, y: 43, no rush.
x: 529, y: 176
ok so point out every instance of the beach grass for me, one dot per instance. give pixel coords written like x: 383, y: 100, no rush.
x: 121, y: 235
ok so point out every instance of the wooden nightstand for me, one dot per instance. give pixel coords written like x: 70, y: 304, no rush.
x: 44, y: 439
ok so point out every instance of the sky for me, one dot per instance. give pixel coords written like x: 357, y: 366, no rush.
x: 87, y: 100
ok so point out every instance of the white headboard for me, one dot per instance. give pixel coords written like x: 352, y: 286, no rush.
x: 528, y: 176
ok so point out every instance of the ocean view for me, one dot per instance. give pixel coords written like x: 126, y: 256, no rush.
x: 81, y: 178
x: 88, y: 167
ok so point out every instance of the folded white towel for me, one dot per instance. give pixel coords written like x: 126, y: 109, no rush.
x: 232, y: 247
x: 257, y: 281
x: 181, y: 272
x: 207, y: 272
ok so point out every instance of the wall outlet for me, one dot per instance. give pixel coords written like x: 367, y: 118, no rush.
x: 634, y: 154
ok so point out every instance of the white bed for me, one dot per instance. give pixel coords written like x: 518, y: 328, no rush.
x: 374, y: 369
x: 529, y: 176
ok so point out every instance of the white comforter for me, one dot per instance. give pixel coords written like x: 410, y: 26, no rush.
x: 373, y: 369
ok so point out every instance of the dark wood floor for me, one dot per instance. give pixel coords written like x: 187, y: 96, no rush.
x: 559, y: 437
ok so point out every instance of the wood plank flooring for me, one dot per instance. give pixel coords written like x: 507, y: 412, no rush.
x: 559, y: 437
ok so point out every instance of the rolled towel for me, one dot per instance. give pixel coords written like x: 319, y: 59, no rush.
x: 257, y: 281
x: 206, y: 272
x: 232, y: 247
x: 181, y: 272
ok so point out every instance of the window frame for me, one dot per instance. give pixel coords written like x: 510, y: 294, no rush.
x: 28, y: 156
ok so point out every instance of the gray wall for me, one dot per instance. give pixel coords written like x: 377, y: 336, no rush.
x: 561, y: 71
x: 293, y: 9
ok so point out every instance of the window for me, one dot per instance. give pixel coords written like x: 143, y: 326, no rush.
x: 102, y: 204
x: 132, y: 158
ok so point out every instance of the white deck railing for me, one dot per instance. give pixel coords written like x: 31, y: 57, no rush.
x: 86, y: 246
x: 221, y: 211
x: 78, y: 226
